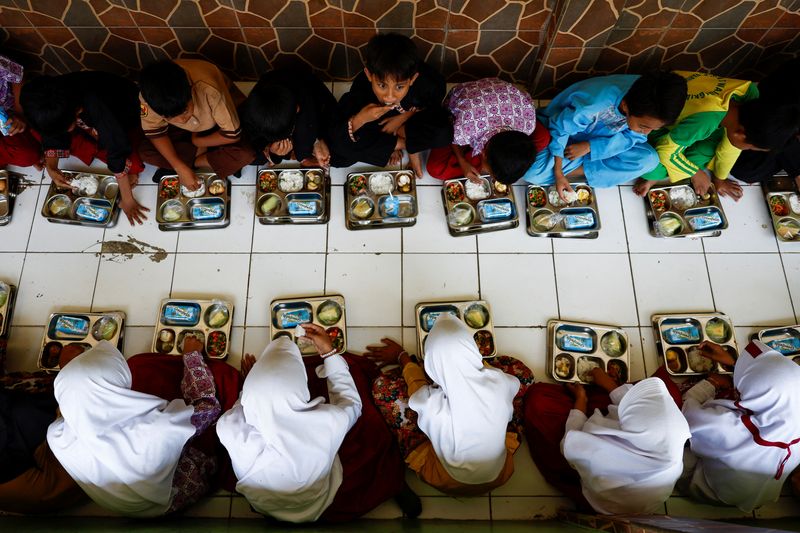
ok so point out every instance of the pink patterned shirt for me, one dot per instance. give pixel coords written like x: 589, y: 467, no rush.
x: 486, y: 107
x: 10, y: 72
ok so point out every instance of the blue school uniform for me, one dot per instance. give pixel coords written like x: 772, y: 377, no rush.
x: 589, y: 111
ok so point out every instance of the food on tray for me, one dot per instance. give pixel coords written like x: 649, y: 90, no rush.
x: 200, y: 191
x: 299, y: 331
x: 3, y: 186
x: 500, y: 188
x: 306, y: 345
x: 545, y: 221
x: 95, y: 213
x: 4, y: 290
x: 192, y: 334
x: 706, y: 221
x: 302, y: 207
x: 357, y: 184
x: 404, y: 182
x: 613, y: 344
x: 267, y: 181
x: 314, y: 180
x: 575, y: 342
x: 363, y: 208
x: 59, y: 205
x: 554, y: 198
x: 71, y: 327
x: 697, y: 362
x: 788, y: 229
x: 207, y: 211
x: 564, y: 366
x: 584, y: 195
x: 682, y: 197
x: 778, y: 206
x: 617, y: 371
x: 290, y: 180
x: 786, y: 346
x: 172, y: 210
x: 685, y: 334
x: 718, y: 330
x: 166, y: 335
x: 478, y: 191
x: 169, y: 188
x: 461, y: 215
x: 390, y: 206
x: 570, y: 196
x: 585, y: 367
x: 329, y: 313
x: 183, y: 314
x: 485, y: 342
x: 270, y: 204
x: 217, y: 187
x: 218, y: 316
x: 381, y: 183
x: 454, y: 192
x: 537, y: 197
x: 105, y: 328
x: 217, y: 343
x: 337, y: 338
x: 85, y: 185
x: 291, y: 318
x: 476, y: 316
x: 658, y: 199
x: 669, y: 225
x: 794, y: 203
x: 673, y: 358
x: 575, y: 221
x: 52, y: 352
x: 491, y: 210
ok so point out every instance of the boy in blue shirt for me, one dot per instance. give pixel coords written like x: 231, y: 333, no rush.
x: 599, y: 129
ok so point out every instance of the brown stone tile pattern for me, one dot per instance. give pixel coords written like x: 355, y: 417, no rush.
x: 544, y: 43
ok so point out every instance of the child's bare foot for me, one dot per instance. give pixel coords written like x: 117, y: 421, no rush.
x: 415, y: 161
x: 396, y: 158
x: 642, y: 186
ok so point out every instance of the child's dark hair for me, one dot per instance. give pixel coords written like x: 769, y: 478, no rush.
x: 391, y: 55
x: 268, y: 115
x: 510, y: 155
x: 165, y: 87
x: 48, y: 106
x: 766, y: 125
x: 658, y: 94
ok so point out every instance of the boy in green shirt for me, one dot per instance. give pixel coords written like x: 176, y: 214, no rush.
x: 721, y: 117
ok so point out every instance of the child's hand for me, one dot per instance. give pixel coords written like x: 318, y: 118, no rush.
x: 728, y: 188
x: 188, y: 178
x: 15, y: 125
x: 720, y: 381
x: 319, y: 337
x: 372, y: 112
x: 576, y: 150
x: 247, y: 364
x: 716, y: 353
x: 562, y: 186
x: 470, y: 171
x: 192, y: 344
x: 701, y: 182
x: 282, y: 147
x: 602, y: 379
x: 58, y: 177
x: 133, y: 210
x: 393, y: 124
x: 322, y: 153
x: 384, y: 354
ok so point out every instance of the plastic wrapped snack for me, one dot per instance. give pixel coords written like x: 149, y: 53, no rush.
x: 91, y: 212
x: 496, y: 210
x: 785, y: 346
x: 181, y: 314
x: 706, y: 221
x: 579, y: 221
x: 575, y: 342
x: 71, y: 326
x: 207, y: 211
x: 687, y: 334
x: 294, y: 317
x: 302, y: 207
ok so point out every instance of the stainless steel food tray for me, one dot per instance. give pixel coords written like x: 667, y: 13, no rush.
x: 179, y: 328
x: 663, y: 322
x: 378, y: 218
x: 681, y: 213
x: 785, y: 340
x: 313, y: 192
x: 186, y: 221
x: 8, y: 193
x: 106, y: 197
x: 426, y: 314
x: 477, y: 224
x: 783, y: 188
x: 7, y: 307
x: 537, y: 208
x: 597, y: 349
x: 53, y: 341
x: 337, y: 329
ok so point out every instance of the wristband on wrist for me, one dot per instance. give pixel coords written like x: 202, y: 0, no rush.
x: 328, y: 354
x: 401, y: 354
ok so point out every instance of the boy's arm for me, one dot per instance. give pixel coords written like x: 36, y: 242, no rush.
x: 671, y: 147
x: 605, y: 147
x: 569, y: 121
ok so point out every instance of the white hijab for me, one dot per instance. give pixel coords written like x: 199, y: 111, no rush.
x: 466, y: 411
x: 747, y: 448
x: 284, y: 445
x: 630, y: 460
x: 122, y: 447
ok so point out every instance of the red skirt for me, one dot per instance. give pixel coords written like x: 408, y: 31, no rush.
x: 373, y: 469
x: 160, y: 375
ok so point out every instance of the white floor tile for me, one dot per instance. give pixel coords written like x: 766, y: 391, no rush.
x: 14, y: 235
x: 526, y: 480
x: 30, y: 175
x: 207, y: 276
x: 11, y: 267
x: 515, y: 240
x: 434, y: 277
x: 791, y: 265
x: 370, y: 284
x: 740, y: 281
x: 529, y: 345
x: 236, y: 347
x: 639, y: 239
x: 521, y: 289
x: 24, y: 343
x: 527, y: 508
x: 237, y: 237
x: 638, y: 371
x: 282, y: 276
x: 670, y: 283
x: 248, y: 178
x: 54, y: 282
x: 596, y: 288
x: 139, y: 339
x: 430, y: 234
x: 147, y: 237
x: 289, y: 237
x: 125, y: 284
x: 341, y: 239
x: 409, y: 340
x: 51, y: 237
x: 448, y: 508
x: 255, y: 340
x: 612, y: 237
x: 358, y: 338
x: 749, y: 225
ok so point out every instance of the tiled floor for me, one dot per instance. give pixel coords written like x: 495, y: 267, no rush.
x: 620, y: 278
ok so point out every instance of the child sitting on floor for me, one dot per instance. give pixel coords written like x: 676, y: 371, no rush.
x: 394, y: 105
x: 599, y: 129
x: 287, y: 116
x: 90, y: 115
x: 493, y: 133
x: 17, y: 146
x: 721, y: 117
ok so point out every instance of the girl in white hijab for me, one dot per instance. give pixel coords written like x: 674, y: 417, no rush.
x: 283, y: 444
x: 464, y: 413
x: 125, y: 448
x: 629, y: 460
x: 742, y: 451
